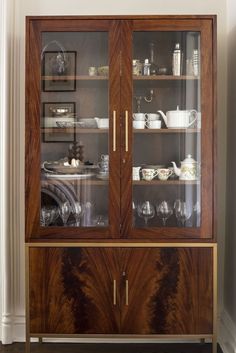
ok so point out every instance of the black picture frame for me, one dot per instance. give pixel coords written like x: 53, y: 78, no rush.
x: 53, y: 133
x: 59, y: 71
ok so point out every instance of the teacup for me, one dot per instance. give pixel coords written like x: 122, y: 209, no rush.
x: 149, y: 174
x: 164, y: 173
x: 139, y: 116
x: 139, y: 124
x: 92, y: 71
x: 105, y: 157
x: 153, y: 124
x: 136, y: 175
x: 152, y: 116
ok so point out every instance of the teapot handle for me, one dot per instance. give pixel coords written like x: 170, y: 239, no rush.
x: 192, y: 112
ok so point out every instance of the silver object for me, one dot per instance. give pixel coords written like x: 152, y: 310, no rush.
x: 146, y: 68
x: 177, y: 61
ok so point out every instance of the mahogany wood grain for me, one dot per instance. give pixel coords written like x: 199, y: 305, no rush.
x: 71, y: 291
x: 205, y: 27
x: 33, y: 130
x: 170, y: 291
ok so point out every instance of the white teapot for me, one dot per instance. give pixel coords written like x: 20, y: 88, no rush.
x: 176, y: 119
x: 188, y: 169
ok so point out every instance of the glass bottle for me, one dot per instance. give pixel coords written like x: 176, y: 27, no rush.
x: 153, y: 60
x: 177, y: 61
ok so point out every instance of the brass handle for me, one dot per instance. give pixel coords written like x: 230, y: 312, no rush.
x: 126, y: 131
x: 126, y: 292
x: 114, y: 131
x: 114, y: 292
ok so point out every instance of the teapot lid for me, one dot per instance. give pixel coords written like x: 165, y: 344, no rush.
x: 189, y: 159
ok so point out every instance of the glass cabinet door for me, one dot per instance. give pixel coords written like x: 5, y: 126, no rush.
x: 170, y: 133
x: 77, y: 130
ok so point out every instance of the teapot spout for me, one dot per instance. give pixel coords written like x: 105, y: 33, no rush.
x: 176, y: 169
x: 163, y: 116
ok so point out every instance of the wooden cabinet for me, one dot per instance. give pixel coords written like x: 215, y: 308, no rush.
x: 119, y: 188
x: 124, y: 290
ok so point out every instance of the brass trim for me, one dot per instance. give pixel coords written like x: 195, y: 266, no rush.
x: 127, y: 292
x: 121, y: 245
x: 27, y: 329
x: 126, y: 131
x: 131, y: 336
x: 114, y: 292
x: 114, y: 131
x: 215, y: 300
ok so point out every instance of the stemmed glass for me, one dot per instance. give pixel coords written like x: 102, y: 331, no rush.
x: 78, y: 212
x: 182, y: 211
x: 164, y: 211
x: 146, y: 210
x: 64, y: 211
x: 134, y: 210
x: 48, y: 215
x: 197, y: 211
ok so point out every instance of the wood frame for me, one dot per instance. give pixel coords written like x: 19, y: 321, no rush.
x: 121, y: 27
x: 32, y: 136
x: 208, y: 52
x: 212, y: 336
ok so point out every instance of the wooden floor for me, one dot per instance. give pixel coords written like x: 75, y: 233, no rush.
x: 108, y: 348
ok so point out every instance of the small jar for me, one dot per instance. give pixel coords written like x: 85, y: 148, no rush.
x: 146, y: 68
x: 137, y: 67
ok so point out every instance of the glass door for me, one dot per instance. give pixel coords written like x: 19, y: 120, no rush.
x: 78, y: 130
x: 170, y: 132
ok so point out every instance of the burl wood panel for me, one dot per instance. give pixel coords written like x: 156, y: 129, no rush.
x: 71, y: 291
x: 170, y: 291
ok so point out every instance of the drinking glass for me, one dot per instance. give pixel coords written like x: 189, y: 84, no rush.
x: 146, y: 211
x: 182, y: 211
x: 48, y: 215
x: 78, y: 212
x: 164, y: 211
x: 64, y: 211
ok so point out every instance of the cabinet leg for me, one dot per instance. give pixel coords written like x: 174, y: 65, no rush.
x: 214, y: 345
x: 202, y: 341
x: 27, y: 345
x: 40, y: 340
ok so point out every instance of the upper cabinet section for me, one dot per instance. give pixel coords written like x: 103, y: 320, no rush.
x: 120, y: 128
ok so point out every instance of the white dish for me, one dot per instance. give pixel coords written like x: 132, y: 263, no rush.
x: 69, y: 176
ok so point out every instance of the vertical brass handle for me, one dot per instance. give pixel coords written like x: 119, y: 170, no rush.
x: 126, y: 292
x: 114, y: 131
x: 126, y: 131
x: 114, y: 292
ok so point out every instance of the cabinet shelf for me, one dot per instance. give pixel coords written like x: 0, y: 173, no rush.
x: 92, y: 182
x: 165, y: 131
x: 165, y: 182
x: 71, y: 130
x: 77, y: 78
x: 164, y: 78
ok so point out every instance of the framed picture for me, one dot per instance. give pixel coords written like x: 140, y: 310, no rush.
x: 59, y: 71
x: 54, y: 112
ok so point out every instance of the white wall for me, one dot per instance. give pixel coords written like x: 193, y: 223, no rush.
x: 229, y: 314
x: 102, y: 7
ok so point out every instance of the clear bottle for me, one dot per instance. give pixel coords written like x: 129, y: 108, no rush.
x: 146, y: 68
x: 153, y: 60
x: 177, y: 60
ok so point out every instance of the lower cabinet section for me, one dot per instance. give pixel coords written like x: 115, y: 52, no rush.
x: 74, y: 290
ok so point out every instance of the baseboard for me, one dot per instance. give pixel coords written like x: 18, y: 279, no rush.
x: 227, y: 333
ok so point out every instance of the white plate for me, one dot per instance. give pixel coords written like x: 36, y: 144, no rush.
x: 69, y: 176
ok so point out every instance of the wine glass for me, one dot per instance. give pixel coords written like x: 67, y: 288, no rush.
x: 48, y: 215
x: 197, y: 211
x: 64, y: 211
x: 146, y: 210
x: 78, y: 212
x: 182, y: 211
x: 134, y: 210
x: 164, y: 211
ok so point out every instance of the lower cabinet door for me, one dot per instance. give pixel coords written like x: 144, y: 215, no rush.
x: 167, y: 291
x: 72, y: 291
